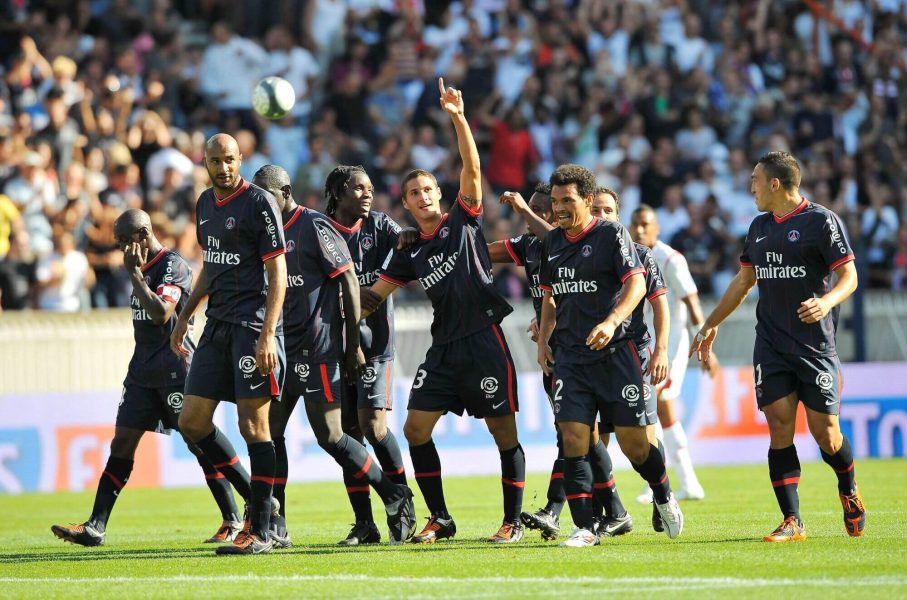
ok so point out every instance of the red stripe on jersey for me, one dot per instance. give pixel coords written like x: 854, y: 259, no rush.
x: 271, y: 255
x: 497, y: 334
x: 788, y: 481
x: 340, y: 270
x: 509, y: 247
x: 391, y: 280
x: 428, y: 236
x: 361, y: 472
x: 575, y: 238
x: 631, y: 273
x: 518, y: 484
x: 326, y: 383
x: 291, y: 220
x: 544, y: 288
x: 156, y: 258
x: 746, y: 265
x: 275, y: 389
x: 656, y: 294
x: 242, y: 188
x: 229, y: 463
x: 356, y: 227
x: 474, y: 211
x: 800, y: 208
x: 840, y: 262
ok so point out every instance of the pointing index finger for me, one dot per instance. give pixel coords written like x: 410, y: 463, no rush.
x: 441, y: 85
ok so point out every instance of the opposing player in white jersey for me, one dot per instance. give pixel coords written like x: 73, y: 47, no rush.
x: 683, y: 300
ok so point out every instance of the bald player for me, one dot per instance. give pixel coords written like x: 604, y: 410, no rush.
x: 240, y: 357
x: 153, y: 390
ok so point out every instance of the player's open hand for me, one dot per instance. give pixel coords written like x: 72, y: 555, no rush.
x: 451, y: 99
x: 354, y: 363
x: 533, y: 330
x: 135, y: 257
x: 702, y: 343
x: 813, y: 310
x: 266, y: 353
x: 515, y: 199
x: 545, y: 357
x: 408, y: 236
x: 178, y: 336
x: 658, y: 366
x: 600, y: 335
x: 369, y: 300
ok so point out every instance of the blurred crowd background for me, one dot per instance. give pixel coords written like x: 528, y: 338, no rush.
x: 106, y: 104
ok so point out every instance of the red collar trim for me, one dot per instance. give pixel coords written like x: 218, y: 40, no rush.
x: 299, y: 211
x: 344, y: 229
x: 582, y: 234
x: 800, y: 208
x: 428, y: 236
x: 242, y: 188
x: 156, y: 258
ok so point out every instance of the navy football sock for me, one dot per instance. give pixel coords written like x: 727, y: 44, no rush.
x: 220, y: 452
x: 784, y: 469
x: 556, y: 496
x: 113, y: 479
x: 281, y: 472
x: 604, y: 489
x: 842, y: 462
x: 387, y: 451
x: 262, y: 459
x: 427, y: 469
x: 578, y: 487
x: 654, y: 472
x: 219, y: 486
x: 513, y: 480
x: 364, y: 470
x: 358, y: 492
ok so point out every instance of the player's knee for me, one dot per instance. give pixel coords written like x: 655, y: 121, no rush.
x: 373, y: 430
x: 191, y: 429
x: 829, y: 439
x: 416, y: 434
x: 124, y: 445
x: 254, y: 430
x: 575, y: 442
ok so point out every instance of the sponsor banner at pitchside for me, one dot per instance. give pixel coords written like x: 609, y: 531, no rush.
x: 54, y: 441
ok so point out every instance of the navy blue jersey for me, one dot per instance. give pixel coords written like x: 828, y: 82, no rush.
x: 370, y: 242
x: 526, y: 251
x: 453, y: 265
x: 655, y: 287
x: 794, y: 257
x: 153, y: 364
x: 237, y: 235
x: 316, y: 255
x: 585, y: 275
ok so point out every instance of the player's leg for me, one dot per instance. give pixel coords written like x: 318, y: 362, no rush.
x: 358, y: 493
x: 674, y: 436
x: 375, y: 399
x: 513, y: 475
x: 547, y: 519
x: 616, y: 520
x: 427, y: 470
x: 784, y: 466
x: 255, y: 430
x: 278, y: 417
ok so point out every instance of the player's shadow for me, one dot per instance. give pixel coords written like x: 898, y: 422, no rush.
x: 93, y: 555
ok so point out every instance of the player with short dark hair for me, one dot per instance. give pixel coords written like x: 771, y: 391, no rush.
x: 321, y: 311
x: 593, y: 280
x: 468, y: 366
x: 371, y: 237
x: 791, y: 251
x: 240, y: 356
x: 153, y: 390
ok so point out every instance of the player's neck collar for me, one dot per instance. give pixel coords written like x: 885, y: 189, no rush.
x: 428, y: 236
x: 156, y: 258
x: 355, y: 227
x: 575, y: 238
x: 296, y: 212
x: 796, y: 211
x: 243, y: 186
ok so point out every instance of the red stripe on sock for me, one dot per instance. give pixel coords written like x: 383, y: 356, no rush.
x: 395, y: 472
x: 847, y: 470
x: 214, y: 475
x: 604, y: 486
x: 578, y: 496
x: 361, y: 472
x: 280, y: 480
x: 788, y: 481
x: 518, y: 484
x: 229, y: 463
x: 557, y: 476
x: 115, y: 480
x: 357, y: 490
x: 431, y: 474
x: 263, y: 479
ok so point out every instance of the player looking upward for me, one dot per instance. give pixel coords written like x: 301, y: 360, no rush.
x: 791, y: 251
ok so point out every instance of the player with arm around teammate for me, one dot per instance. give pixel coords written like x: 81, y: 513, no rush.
x: 791, y: 251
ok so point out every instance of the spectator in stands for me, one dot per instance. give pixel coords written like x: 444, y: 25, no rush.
x: 63, y: 276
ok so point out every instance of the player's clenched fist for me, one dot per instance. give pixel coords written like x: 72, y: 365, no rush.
x: 266, y: 354
x: 600, y: 335
x: 178, y: 336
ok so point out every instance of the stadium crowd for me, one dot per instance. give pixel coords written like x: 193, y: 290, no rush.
x: 106, y: 105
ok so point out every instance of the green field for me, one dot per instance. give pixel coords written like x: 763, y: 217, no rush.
x: 153, y: 551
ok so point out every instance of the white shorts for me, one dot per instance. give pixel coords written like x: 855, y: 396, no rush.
x: 669, y: 389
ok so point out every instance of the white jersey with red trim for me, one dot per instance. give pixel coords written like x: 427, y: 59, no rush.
x: 680, y: 284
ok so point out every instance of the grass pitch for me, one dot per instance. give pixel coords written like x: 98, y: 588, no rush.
x: 153, y: 547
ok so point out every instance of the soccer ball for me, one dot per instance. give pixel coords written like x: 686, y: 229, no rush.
x: 273, y: 97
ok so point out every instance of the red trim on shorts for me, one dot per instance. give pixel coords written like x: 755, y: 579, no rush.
x: 657, y: 293
x: 800, y: 208
x: 473, y: 212
x: 242, y: 188
x: 280, y: 481
x: 271, y: 255
x: 340, y: 270
x: 214, y: 475
x: 430, y: 474
x: 575, y: 238
x: 362, y: 472
x: 391, y: 280
x: 275, y: 389
x: 636, y: 356
x: 518, y: 484
x: 509, y: 247
x: 399, y: 471
x: 263, y: 479
x: 428, y: 236
x: 156, y: 258
x: 291, y: 220
x: 788, y: 481
x: 557, y: 476
x: 604, y: 486
x: 326, y: 383
x: 840, y: 262
x: 631, y: 273
x: 356, y: 227
x: 229, y: 463
x: 119, y: 484
x: 578, y: 496
x: 500, y: 337
x: 360, y: 490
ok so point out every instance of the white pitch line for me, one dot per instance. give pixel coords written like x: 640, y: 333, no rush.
x: 703, y: 582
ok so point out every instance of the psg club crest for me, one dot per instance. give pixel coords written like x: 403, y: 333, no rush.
x: 445, y: 231
x: 367, y: 242
x: 793, y: 235
x: 587, y: 250
x: 291, y: 245
x: 230, y: 223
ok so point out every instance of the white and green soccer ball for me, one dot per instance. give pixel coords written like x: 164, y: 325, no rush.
x: 273, y: 97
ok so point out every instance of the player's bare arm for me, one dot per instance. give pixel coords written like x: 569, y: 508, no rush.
x: 661, y: 316
x: 372, y: 297
x: 471, y: 174
x: 537, y: 225
x: 813, y: 310
x: 694, y: 308
x: 199, y: 294
x: 498, y: 252
x: 354, y: 358
x: 733, y: 297
x: 266, y: 348
x: 134, y: 258
x: 546, y: 328
x: 631, y: 294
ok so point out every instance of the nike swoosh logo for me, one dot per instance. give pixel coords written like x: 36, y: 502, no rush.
x: 759, y: 239
x: 203, y: 222
x: 550, y: 258
x: 252, y: 387
x: 651, y: 413
x: 640, y: 414
x: 308, y: 391
x: 413, y: 254
x: 375, y: 396
x: 498, y: 405
x: 830, y: 402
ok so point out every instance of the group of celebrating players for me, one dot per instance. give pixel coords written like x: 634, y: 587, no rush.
x: 299, y: 307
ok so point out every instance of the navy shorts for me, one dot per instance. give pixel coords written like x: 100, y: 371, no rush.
x: 645, y: 357
x: 223, y: 366
x: 374, y: 389
x: 321, y: 383
x: 474, y: 373
x: 613, y: 388
x: 150, y: 409
x: 816, y: 379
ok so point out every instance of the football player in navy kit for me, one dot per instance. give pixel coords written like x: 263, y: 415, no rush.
x: 370, y: 237
x: 321, y: 309
x: 468, y: 366
x: 240, y: 356
x: 791, y: 251
x: 153, y: 390
x: 593, y: 280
